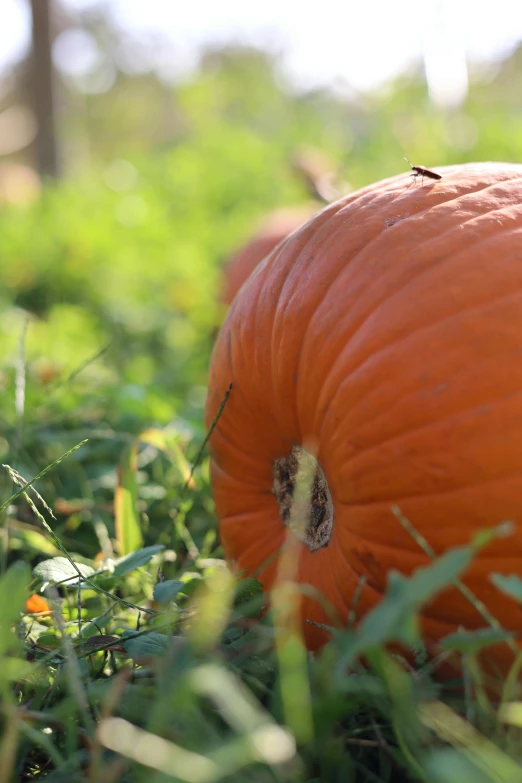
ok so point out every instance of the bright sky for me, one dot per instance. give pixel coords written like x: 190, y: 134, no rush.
x: 362, y: 43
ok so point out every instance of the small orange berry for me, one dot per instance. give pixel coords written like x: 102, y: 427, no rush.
x: 36, y: 604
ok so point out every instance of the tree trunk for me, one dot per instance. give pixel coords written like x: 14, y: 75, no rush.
x: 42, y: 88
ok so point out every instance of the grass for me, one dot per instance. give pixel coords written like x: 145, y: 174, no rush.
x: 149, y: 661
x: 152, y: 662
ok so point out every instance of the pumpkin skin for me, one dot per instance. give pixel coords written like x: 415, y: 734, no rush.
x: 388, y: 330
x: 276, y: 227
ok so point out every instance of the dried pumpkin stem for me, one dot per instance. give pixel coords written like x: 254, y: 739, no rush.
x: 292, y: 474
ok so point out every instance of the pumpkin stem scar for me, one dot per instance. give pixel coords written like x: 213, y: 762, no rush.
x: 297, y: 469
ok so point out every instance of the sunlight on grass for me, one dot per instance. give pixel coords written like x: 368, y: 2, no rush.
x: 131, y: 652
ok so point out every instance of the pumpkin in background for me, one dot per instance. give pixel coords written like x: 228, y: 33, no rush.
x: 387, y: 331
x: 322, y: 182
x: 276, y: 227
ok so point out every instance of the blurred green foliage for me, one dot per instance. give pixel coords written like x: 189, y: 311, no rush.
x: 128, y: 251
x: 110, y: 279
x: 109, y: 301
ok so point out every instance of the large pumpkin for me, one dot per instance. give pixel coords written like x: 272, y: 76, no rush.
x: 388, y: 332
x: 276, y: 226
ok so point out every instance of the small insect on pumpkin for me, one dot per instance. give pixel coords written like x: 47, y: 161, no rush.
x: 421, y: 171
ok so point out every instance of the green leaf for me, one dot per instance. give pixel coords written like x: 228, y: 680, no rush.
x: 14, y: 669
x: 136, y: 559
x: 13, y: 592
x: 95, y: 626
x: 33, y: 541
x: 164, y: 592
x: 401, y: 692
x: 395, y: 617
x: 150, y: 644
x: 429, y: 580
x: 246, y: 590
x: 249, y: 598
x: 511, y: 585
x: 479, y: 764
x: 105, y: 581
x: 452, y: 766
x: 58, y: 570
x: 471, y: 642
x: 127, y: 519
x: 50, y: 640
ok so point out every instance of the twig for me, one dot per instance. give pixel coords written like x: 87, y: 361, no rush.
x: 202, y: 448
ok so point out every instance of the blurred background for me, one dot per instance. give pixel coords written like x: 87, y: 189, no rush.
x: 142, y: 141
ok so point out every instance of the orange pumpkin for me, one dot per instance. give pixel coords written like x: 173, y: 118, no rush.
x: 276, y: 227
x: 387, y: 331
